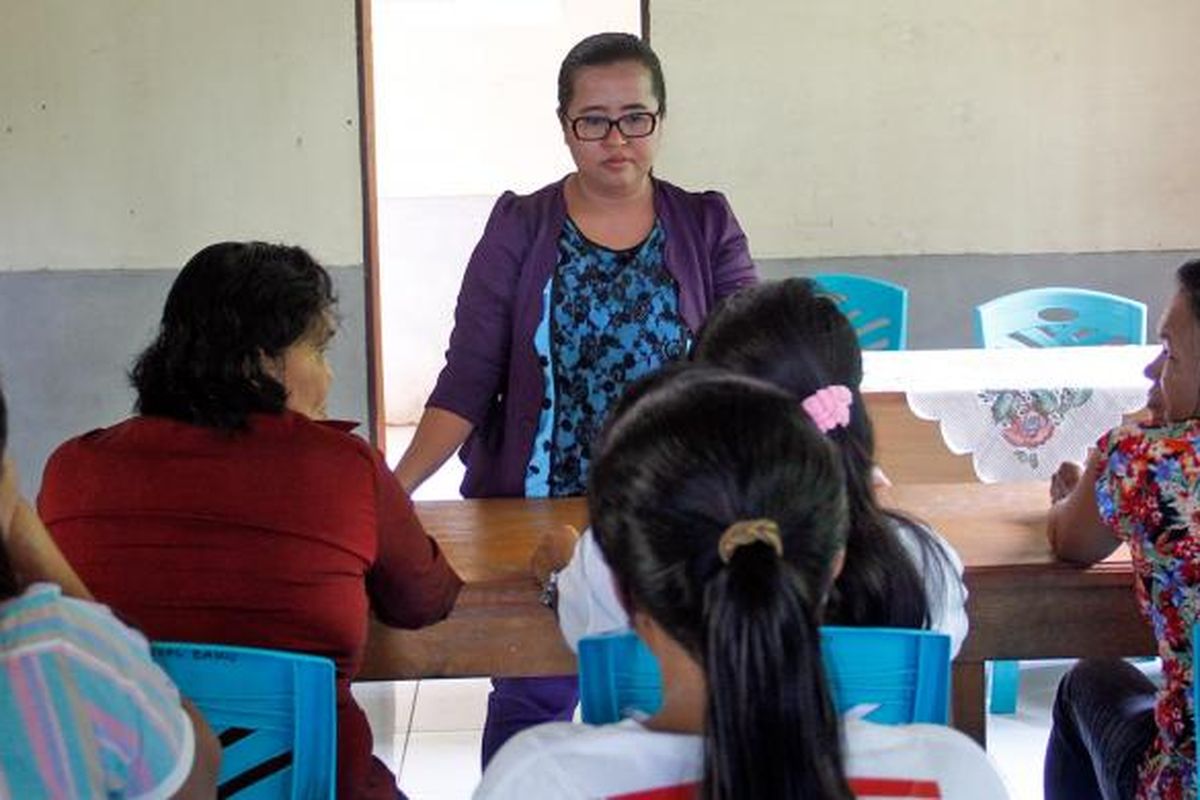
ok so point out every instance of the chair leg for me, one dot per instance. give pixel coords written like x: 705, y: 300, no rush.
x: 1006, y: 678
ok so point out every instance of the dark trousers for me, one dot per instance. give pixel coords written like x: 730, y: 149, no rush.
x: 519, y: 703
x: 1103, y: 726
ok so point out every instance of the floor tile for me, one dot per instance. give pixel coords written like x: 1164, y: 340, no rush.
x: 441, y: 766
x: 451, y: 705
x: 387, y: 704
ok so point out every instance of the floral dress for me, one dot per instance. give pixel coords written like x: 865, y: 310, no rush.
x: 1147, y: 493
x: 609, y: 317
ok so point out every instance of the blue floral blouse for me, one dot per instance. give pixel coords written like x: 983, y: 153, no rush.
x: 609, y: 317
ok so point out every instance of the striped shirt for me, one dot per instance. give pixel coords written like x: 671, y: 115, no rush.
x: 84, y: 712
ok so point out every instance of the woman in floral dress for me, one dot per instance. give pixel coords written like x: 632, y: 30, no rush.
x: 1115, y: 734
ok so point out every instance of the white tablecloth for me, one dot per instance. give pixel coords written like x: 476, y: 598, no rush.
x: 1019, y: 413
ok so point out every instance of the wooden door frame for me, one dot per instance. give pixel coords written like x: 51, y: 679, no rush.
x: 376, y: 406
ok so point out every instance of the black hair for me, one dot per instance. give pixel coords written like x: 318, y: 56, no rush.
x: 689, y: 452
x: 234, y: 304
x: 790, y: 335
x: 1188, y: 276
x: 8, y: 578
x: 602, y: 49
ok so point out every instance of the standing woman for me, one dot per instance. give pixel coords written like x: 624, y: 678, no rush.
x: 573, y: 292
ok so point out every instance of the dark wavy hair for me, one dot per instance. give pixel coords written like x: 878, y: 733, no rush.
x: 688, y: 452
x: 234, y: 304
x: 602, y: 49
x: 8, y: 579
x: 789, y: 334
x: 1188, y: 276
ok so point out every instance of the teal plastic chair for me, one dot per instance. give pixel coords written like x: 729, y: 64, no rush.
x: 274, y: 713
x: 902, y: 675
x: 1059, y: 317
x: 877, y: 309
x: 1052, y: 317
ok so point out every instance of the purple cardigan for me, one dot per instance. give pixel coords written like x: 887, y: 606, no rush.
x: 492, y: 376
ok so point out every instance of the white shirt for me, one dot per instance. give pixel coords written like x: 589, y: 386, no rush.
x: 563, y: 760
x: 588, y: 604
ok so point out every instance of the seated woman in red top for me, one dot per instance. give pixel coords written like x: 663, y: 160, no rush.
x: 228, y: 511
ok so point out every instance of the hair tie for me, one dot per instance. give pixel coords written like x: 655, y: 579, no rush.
x: 829, y: 408
x: 748, y: 532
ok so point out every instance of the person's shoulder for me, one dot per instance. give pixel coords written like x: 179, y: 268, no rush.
x: 707, y: 208
x: 1134, y: 441
x: 534, y: 203
x: 568, y: 759
x: 934, y: 753
x: 530, y: 759
x: 704, y: 198
x: 63, y: 620
x: 98, y: 439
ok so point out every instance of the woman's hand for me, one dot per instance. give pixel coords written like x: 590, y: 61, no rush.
x: 553, y: 552
x: 1064, y: 480
x: 1068, y: 475
x: 34, y: 555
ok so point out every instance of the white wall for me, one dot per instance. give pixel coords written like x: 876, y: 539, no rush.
x: 465, y: 95
x: 133, y: 133
x: 938, y: 126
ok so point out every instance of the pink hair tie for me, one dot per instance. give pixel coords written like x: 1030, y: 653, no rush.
x: 829, y: 408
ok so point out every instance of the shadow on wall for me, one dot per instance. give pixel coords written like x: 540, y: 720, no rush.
x: 943, y: 290
x: 68, y: 338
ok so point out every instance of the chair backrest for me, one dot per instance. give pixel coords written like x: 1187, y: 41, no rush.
x: 893, y: 675
x: 273, y: 711
x: 1196, y: 693
x: 876, y: 308
x: 1059, y: 317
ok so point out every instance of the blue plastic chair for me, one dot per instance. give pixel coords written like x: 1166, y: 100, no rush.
x: 1059, y: 317
x: 877, y: 309
x: 1052, y: 317
x: 903, y: 674
x: 274, y: 713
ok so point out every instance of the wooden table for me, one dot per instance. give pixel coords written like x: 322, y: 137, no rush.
x: 1023, y: 603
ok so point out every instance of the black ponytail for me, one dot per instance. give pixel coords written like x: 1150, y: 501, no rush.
x: 760, y: 622
x: 689, y: 453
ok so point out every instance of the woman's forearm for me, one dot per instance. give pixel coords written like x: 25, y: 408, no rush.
x: 438, y: 436
x: 35, y: 557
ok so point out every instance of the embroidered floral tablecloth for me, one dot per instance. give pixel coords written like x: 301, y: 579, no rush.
x: 1019, y: 413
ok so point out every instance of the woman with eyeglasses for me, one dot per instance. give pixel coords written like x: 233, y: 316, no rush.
x: 573, y: 292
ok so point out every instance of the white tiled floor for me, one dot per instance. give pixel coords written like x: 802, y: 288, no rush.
x: 429, y: 732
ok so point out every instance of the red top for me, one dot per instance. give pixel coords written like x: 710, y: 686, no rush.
x: 281, y: 536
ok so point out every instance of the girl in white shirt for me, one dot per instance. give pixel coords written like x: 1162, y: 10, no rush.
x: 899, y: 573
x: 722, y: 512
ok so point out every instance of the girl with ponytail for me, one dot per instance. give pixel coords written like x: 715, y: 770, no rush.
x: 898, y: 572
x: 722, y: 512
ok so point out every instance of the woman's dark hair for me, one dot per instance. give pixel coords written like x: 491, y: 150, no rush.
x: 602, y: 49
x: 687, y: 454
x: 790, y: 335
x: 234, y: 304
x: 1188, y: 276
x: 8, y: 579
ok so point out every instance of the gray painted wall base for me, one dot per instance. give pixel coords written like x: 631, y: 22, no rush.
x: 68, y: 338
x: 944, y: 290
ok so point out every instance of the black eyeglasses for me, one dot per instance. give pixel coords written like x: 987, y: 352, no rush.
x: 593, y: 127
